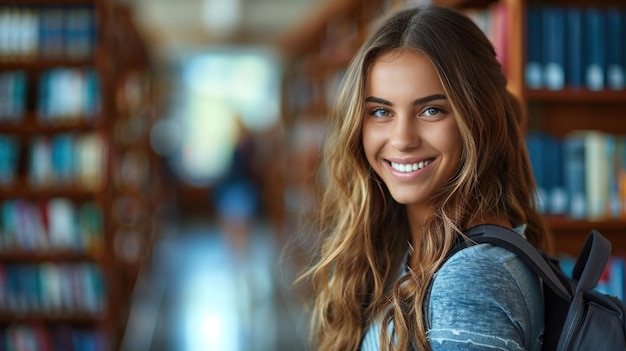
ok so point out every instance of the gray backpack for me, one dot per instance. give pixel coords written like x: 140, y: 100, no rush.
x: 576, y: 316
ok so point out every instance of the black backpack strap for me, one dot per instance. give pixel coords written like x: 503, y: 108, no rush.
x: 597, y: 250
x: 530, y: 255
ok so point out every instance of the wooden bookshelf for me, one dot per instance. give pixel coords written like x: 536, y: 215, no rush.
x: 124, y: 112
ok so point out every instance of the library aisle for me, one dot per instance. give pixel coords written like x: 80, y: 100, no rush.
x: 201, y: 294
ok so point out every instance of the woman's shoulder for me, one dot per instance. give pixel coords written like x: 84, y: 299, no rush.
x: 486, y: 294
x: 485, y: 264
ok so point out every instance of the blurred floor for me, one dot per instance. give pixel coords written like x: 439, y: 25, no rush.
x: 201, y: 294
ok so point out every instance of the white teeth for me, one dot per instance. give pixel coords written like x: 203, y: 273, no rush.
x: 406, y: 168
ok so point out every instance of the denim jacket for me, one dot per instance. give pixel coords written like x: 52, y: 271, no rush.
x: 482, y: 298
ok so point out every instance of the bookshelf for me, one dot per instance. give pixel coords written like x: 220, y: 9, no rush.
x: 78, y: 182
x: 313, y: 64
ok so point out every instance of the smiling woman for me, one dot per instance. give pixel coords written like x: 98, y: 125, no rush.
x: 424, y: 144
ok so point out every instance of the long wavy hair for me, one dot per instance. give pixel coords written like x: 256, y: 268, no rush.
x: 365, y: 234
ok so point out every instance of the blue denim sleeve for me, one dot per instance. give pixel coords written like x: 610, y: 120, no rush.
x: 485, y: 298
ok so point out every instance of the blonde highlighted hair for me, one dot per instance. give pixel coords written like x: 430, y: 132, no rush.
x: 364, y: 233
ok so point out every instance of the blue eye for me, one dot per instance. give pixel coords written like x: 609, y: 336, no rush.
x: 380, y: 113
x: 432, y: 111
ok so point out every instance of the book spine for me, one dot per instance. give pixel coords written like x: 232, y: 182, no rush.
x: 533, y: 75
x: 595, y: 42
x: 554, y: 47
x: 615, y: 79
x: 575, y: 48
x: 535, y: 147
x: 596, y: 175
x: 574, y: 167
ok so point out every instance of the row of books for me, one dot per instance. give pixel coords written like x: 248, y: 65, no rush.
x: 575, y: 47
x: 581, y: 175
x: 63, y: 159
x: 64, y: 95
x: 12, y: 95
x: 28, y: 32
x: 67, y: 159
x: 50, y: 225
x: 68, y: 94
x: 52, y: 289
x: 42, y: 337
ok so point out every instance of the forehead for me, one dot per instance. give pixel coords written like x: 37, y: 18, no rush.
x: 403, y: 68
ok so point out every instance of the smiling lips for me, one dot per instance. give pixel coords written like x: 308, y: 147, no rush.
x: 410, y: 167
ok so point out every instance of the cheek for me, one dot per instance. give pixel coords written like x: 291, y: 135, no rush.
x: 370, y: 142
x: 454, y: 148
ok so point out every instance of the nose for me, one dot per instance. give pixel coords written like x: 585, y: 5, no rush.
x: 405, y: 135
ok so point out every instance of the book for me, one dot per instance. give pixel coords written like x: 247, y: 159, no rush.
x: 40, y: 172
x: 620, y: 159
x: 78, y: 40
x: 596, y: 175
x: 575, y: 47
x: 499, y: 13
x: 556, y: 194
x: 535, y: 146
x: 553, y: 25
x: 574, y: 174
x: 533, y: 71
x: 615, y: 59
x: 62, y: 224
x: 595, y: 42
x: 51, y: 33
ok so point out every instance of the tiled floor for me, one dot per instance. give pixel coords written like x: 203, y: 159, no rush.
x: 199, y: 294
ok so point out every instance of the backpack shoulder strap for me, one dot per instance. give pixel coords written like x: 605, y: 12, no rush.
x: 530, y: 255
x: 591, y: 262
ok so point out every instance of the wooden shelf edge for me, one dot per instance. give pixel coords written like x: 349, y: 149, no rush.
x: 56, y: 256
x: 31, y: 126
x: 51, y: 317
x: 562, y: 224
x: 48, y: 3
x: 39, y: 63
x: 570, y: 95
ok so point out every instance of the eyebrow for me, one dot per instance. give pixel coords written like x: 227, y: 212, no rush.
x: 419, y: 101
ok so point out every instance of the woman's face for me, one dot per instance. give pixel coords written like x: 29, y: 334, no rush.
x: 410, y: 136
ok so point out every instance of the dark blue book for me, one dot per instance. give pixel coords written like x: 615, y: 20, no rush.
x: 574, y: 174
x: 77, y: 29
x: 615, y: 49
x: 595, y: 41
x: 554, y: 47
x: 533, y: 74
x: 535, y: 146
x: 92, y: 94
x: 554, y: 182
x: 51, y: 33
x: 43, y: 97
x: 574, y: 76
x: 63, y: 157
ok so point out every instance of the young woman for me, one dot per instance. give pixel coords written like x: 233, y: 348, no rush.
x: 425, y: 143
